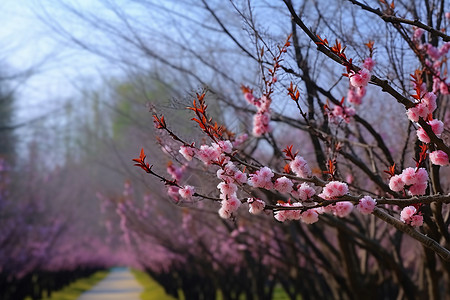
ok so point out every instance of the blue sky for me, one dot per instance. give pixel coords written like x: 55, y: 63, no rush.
x: 56, y: 67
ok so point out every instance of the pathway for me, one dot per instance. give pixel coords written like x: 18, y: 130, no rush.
x: 118, y: 285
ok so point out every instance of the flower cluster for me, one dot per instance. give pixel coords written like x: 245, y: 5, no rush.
x: 262, y: 178
x: 435, y: 61
x: 210, y: 154
x: 415, y: 180
x: 341, y: 112
x: 309, y: 216
x: 439, y: 157
x: 256, y: 206
x: 333, y: 190
x: 436, y: 126
x: 426, y: 106
x: 359, y: 81
x: 187, y: 192
x: 366, y: 205
x: 410, y: 215
x: 300, y: 167
x: 262, y: 117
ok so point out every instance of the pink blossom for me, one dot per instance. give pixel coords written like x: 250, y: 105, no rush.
x: 349, y: 112
x: 265, y: 173
x: 187, y: 192
x: 366, y: 205
x: 223, y: 213
x: 422, y: 110
x: 412, y: 114
x: 227, y: 189
x: 229, y: 206
x: 256, y: 206
x: 368, y: 64
x: 422, y: 135
x: 283, y: 185
x: 361, y: 92
x: 262, y: 178
x: 208, y: 154
x: 432, y: 51
x: 360, y: 79
x: 416, y: 220
x: 352, y: 97
x: 187, y: 152
x: 284, y: 215
x: 439, y: 157
x: 447, y: 15
x: 335, y: 189
x: 250, y: 98
x: 343, y: 209
x: 443, y: 88
x: 430, y: 101
x: 437, y: 126
x: 305, y: 192
x: 223, y: 146
x: 444, y: 49
x: 407, y: 213
x: 261, y: 123
x: 240, y: 177
x: 396, y: 183
x: 421, y: 176
x: 300, y: 167
x: 175, y: 172
x: 172, y: 191
x: 280, y: 215
x: 417, y: 189
x: 418, y: 32
x: 310, y: 216
x: 409, y: 176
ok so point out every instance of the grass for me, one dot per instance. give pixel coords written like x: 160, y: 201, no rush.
x: 152, y: 290
x: 75, y: 289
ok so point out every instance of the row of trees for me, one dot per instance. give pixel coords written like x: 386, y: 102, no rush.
x: 358, y: 149
x: 353, y: 138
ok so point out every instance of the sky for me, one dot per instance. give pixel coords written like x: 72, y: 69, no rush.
x: 56, y: 68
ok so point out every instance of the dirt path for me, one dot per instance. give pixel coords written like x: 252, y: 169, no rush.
x: 118, y: 285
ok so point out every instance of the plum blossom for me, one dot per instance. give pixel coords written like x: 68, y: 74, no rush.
x: 285, y: 215
x: 366, y: 205
x: 437, y: 127
x: 368, y: 64
x: 262, y: 178
x: 396, y: 183
x: 187, y: 192
x: 229, y: 206
x: 227, y: 189
x: 256, y: 206
x: 409, y: 215
x: 261, y: 123
x: 439, y: 157
x: 223, y: 146
x: 187, y: 152
x: 343, y: 209
x: 415, y: 179
x: 300, y: 167
x: 208, y: 154
x: 360, y: 79
x: 334, y: 189
x: 305, y: 192
x: 309, y: 216
x: 283, y: 185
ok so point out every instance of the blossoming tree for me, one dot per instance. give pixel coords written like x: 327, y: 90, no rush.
x: 368, y: 196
